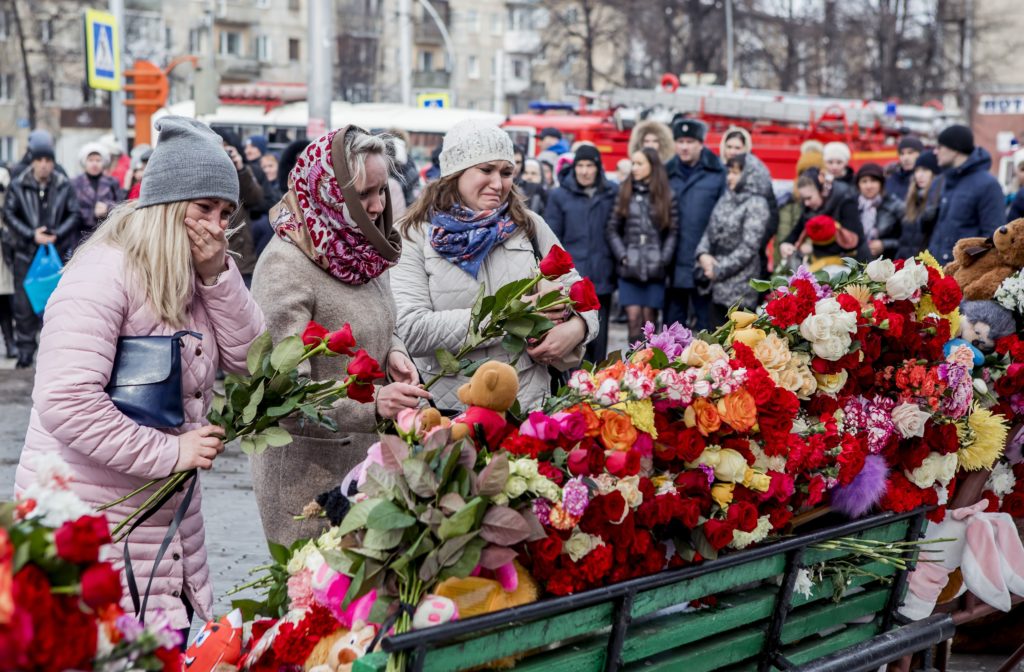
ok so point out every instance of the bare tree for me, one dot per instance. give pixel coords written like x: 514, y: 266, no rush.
x: 22, y: 47
x: 582, y: 28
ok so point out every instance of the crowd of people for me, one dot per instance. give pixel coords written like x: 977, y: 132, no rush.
x: 217, y: 241
x: 675, y: 233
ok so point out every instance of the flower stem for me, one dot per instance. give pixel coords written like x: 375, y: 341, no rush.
x: 131, y: 494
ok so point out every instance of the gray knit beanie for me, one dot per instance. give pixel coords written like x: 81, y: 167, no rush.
x: 189, y: 162
x: 472, y: 142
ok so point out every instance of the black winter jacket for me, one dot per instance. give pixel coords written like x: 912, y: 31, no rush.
x: 579, y: 219
x: 643, y: 251
x: 23, y: 214
x: 889, y: 224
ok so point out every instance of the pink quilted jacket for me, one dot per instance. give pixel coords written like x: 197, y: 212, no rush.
x: 109, y: 454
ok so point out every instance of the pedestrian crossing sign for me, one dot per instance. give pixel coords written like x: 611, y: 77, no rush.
x: 435, y: 100
x: 102, y: 51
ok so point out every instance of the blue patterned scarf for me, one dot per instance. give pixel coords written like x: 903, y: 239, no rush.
x: 465, y: 237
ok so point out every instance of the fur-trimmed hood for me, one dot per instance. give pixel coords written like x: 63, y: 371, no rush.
x: 666, y: 146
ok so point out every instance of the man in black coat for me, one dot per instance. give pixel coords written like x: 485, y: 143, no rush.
x: 39, y: 209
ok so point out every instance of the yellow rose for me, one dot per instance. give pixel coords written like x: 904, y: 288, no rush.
x: 722, y: 493
x: 757, y: 481
x: 698, y: 353
x: 797, y: 378
x: 773, y: 353
x: 749, y: 337
x: 731, y: 467
x: 710, y: 456
x: 742, y: 319
x: 830, y: 383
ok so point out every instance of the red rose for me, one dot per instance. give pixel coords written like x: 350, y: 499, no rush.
x: 79, y: 541
x: 942, y: 438
x: 743, y: 515
x: 622, y: 464
x: 342, y: 341
x: 1011, y: 345
x: 821, y: 229
x: 583, y: 296
x: 557, y: 263
x: 546, y: 550
x: 780, y: 516
x: 719, y: 533
x: 946, y: 294
x: 361, y: 392
x: 314, y: 333
x: 364, y: 368
x: 690, y: 444
x: 101, y: 585
x: 1013, y: 504
x: 688, y: 512
x: 551, y: 472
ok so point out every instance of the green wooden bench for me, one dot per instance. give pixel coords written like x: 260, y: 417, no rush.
x: 759, y: 623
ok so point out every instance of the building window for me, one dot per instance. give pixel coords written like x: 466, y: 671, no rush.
x: 168, y: 38
x: 47, y: 90
x: 262, y: 48
x: 496, y: 24
x: 263, y: 4
x: 7, y: 149
x: 230, y: 43
x: 518, y: 68
x: 6, y: 87
x: 426, y: 61
x: 45, y: 30
x: 473, y: 67
x: 293, y: 50
x: 4, y: 20
x: 473, y: 21
x: 195, y: 41
x: 494, y: 67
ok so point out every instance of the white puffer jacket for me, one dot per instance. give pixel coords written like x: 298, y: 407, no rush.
x: 434, y: 298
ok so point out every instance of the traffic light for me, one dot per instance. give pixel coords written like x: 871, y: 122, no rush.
x: 146, y: 93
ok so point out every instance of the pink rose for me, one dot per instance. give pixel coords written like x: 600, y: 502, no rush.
x: 573, y: 426
x: 540, y: 426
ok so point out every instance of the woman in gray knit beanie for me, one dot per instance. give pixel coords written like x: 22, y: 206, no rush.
x: 154, y: 267
x: 471, y: 228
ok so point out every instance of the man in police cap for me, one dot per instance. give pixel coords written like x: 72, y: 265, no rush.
x: 698, y: 180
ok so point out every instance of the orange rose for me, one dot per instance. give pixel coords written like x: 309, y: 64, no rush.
x: 593, y: 422
x: 615, y: 372
x: 706, y: 416
x: 738, y: 410
x: 617, y: 431
x: 642, y: 356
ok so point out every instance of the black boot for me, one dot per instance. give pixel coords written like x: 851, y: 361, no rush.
x: 7, y: 326
x: 12, y: 350
x: 23, y: 362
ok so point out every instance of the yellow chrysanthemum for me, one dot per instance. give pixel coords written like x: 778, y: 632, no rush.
x: 642, y: 414
x: 927, y: 259
x: 927, y: 307
x: 982, y: 439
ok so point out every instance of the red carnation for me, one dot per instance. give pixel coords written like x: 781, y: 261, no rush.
x: 79, y: 541
x: 314, y: 333
x: 743, y: 515
x: 342, y: 341
x: 942, y: 438
x: 546, y: 550
x: 584, y: 296
x: 848, y: 303
x: 364, y: 368
x: 551, y: 472
x: 821, y: 229
x: 101, y: 585
x: 1013, y: 504
x: 1011, y: 345
x: 719, y: 533
x: 557, y: 263
x: 946, y: 294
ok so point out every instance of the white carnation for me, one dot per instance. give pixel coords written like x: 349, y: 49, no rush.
x: 1001, y: 480
x: 880, y: 270
x: 1010, y: 293
x: 742, y: 539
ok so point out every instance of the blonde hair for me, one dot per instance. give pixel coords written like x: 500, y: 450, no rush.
x: 157, y: 254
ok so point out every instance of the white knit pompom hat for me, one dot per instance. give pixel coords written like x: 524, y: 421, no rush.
x: 471, y: 143
x: 836, y: 150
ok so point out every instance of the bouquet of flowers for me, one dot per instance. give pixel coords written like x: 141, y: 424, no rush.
x: 59, y: 595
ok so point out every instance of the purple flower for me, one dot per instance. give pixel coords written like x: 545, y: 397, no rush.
x: 709, y: 471
x: 820, y: 290
x: 575, y: 497
x: 672, y: 339
x: 542, y: 509
x: 128, y: 626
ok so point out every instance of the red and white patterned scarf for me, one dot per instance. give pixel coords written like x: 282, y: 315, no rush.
x: 313, y: 218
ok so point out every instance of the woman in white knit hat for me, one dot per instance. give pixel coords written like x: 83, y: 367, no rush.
x: 97, y: 193
x: 471, y: 228
x: 837, y: 162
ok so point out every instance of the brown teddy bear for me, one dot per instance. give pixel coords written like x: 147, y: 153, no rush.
x: 488, y: 395
x: 979, y: 265
x: 339, y: 650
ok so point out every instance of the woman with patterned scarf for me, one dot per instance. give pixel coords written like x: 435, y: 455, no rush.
x: 328, y: 261
x: 468, y: 228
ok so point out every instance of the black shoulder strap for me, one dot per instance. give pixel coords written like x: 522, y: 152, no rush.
x: 536, y: 248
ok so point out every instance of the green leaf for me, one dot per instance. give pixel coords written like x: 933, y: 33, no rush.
x: 380, y: 481
x: 276, y: 436
x: 218, y: 404
x: 387, y: 516
x: 421, y: 479
x: 429, y: 568
x: 470, y: 366
x: 355, y: 586
x: 382, y: 539
x: 337, y: 561
x: 467, y: 562
x: 659, y: 360
x: 760, y: 285
x: 448, y: 362
x: 393, y: 452
x: 541, y: 326
x: 451, y: 503
x: 476, y: 313
x: 284, y: 409
x: 280, y: 554
x: 492, y: 478
x: 520, y: 326
x: 250, y: 609
x: 702, y: 545
x: 248, y: 445
x: 504, y: 526
x: 287, y: 354
x: 450, y: 551
x: 549, y: 298
x: 249, y: 412
x: 494, y: 557
x: 464, y: 520
x: 357, y: 515
x: 513, y: 344
x: 259, y: 349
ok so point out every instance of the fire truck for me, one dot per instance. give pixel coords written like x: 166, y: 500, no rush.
x: 778, y: 122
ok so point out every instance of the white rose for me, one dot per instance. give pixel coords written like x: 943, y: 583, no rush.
x: 833, y: 348
x: 880, y: 270
x: 910, y: 420
x: 844, y: 322
x: 630, y: 489
x: 579, y: 544
x: 515, y: 487
x: 934, y: 469
x: 830, y: 383
x: 907, y: 280
x: 542, y: 487
x: 527, y: 468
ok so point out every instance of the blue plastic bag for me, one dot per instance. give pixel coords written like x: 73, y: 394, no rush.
x: 43, y: 276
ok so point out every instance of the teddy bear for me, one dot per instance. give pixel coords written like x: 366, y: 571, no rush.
x: 980, y: 264
x: 982, y: 323
x: 339, y: 650
x: 488, y: 395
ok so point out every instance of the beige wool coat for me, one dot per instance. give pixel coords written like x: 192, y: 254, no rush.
x: 292, y: 290
x: 435, y: 298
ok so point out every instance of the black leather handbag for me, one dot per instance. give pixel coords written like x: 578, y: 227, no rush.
x: 145, y: 383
